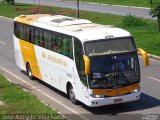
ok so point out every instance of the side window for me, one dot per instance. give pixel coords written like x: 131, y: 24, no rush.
x: 47, y: 38
x: 54, y: 43
x: 50, y: 41
x: 32, y: 35
x: 67, y: 49
x: 28, y: 34
x: 22, y: 31
x: 59, y: 43
x: 37, y: 37
x: 41, y: 39
x: 80, y: 61
x: 21, y: 27
x: 16, y: 29
x: 25, y: 33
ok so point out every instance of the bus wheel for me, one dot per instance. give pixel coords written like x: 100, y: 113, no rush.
x: 29, y: 72
x: 71, y: 94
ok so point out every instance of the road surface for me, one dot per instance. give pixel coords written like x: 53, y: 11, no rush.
x: 150, y: 87
x: 139, y: 12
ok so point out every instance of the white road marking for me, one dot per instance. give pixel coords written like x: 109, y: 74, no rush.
x: 154, y: 78
x: 151, y: 59
x: 2, y: 42
x: 10, y: 80
x: 44, y: 93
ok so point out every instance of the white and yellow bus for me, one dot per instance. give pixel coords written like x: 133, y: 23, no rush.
x: 95, y: 64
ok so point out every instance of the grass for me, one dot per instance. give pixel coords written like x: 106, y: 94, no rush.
x: 146, y: 36
x: 138, y: 3
x: 16, y: 101
x: 147, y: 39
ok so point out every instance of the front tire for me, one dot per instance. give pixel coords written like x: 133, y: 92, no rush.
x: 29, y: 72
x: 71, y: 94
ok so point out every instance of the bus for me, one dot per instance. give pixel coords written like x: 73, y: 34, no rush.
x: 93, y: 64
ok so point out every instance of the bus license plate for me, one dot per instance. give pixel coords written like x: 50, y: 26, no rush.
x: 118, y: 100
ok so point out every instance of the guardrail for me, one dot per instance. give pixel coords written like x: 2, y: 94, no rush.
x: 144, y: 55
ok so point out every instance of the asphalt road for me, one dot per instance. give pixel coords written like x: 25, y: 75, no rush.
x: 139, y: 12
x: 150, y: 87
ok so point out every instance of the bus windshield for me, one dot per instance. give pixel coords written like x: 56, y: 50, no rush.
x: 114, y: 63
x: 112, y: 71
x: 109, y: 46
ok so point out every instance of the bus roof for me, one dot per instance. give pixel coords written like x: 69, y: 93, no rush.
x: 83, y: 29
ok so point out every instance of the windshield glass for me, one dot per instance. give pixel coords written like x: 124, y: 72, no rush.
x: 109, y: 46
x: 112, y: 71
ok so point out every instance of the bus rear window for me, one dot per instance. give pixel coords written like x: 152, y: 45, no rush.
x: 109, y: 46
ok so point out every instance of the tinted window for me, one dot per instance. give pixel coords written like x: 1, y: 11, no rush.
x: 67, y: 46
x: 37, y: 37
x: 47, y: 39
x: 56, y: 42
x: 16, y: 29
x: 28, y: 34
x: 80, y: 61
x: 61, y: 44
x: 21, y: 28
x: 22, y: 31
x: 110, y: 46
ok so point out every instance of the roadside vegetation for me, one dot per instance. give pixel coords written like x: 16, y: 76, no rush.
x: 13, y: 100
x: 145, y: 31
x: 138, y: 3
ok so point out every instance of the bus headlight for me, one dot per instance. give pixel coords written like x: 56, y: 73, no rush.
x: 97, y: 96
x: 135, y: 90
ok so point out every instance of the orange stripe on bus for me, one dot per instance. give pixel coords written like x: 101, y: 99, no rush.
x: 27, y: 49
x: 115, y: 92
x: 28, y: 54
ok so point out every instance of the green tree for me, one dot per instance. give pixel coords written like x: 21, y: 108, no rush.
x: 10, y: 1
x: 155, y: 12
x: 151, y: 2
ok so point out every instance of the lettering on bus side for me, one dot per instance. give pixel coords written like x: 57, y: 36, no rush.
x: 43, y: 55
x: 54, y: 59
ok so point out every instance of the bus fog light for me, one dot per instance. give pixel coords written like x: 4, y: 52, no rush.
x: 97, y: 96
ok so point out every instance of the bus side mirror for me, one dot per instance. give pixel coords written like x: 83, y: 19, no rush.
x: 144, y: 55
x: 87, y: 64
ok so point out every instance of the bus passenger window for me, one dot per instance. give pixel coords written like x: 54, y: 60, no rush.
x: 28, y: 34
x: 47, y: 38
x: 41, y: 39
x: 53, y: 38
x: 21, y: 31
x: 32, y: 35
x: 50, y: 42
x: 59, y: 44
x: 25, y: 33
x: 67, y: 47
x: 16, y: 29
x: 37, y: 37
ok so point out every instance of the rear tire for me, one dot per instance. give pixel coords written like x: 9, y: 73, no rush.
x: 29, y: 72
x: 71, y: 95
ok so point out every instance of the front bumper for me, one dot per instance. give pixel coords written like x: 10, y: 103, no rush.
x: 95, y: 102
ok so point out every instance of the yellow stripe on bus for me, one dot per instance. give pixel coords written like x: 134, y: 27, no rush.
x: 116, y: 92
x: 28, y: 54
x: 27, y: 49
x: 27, y: 19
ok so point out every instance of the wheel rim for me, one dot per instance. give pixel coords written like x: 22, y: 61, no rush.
x: 72, y: 95
x: 29, y: 72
